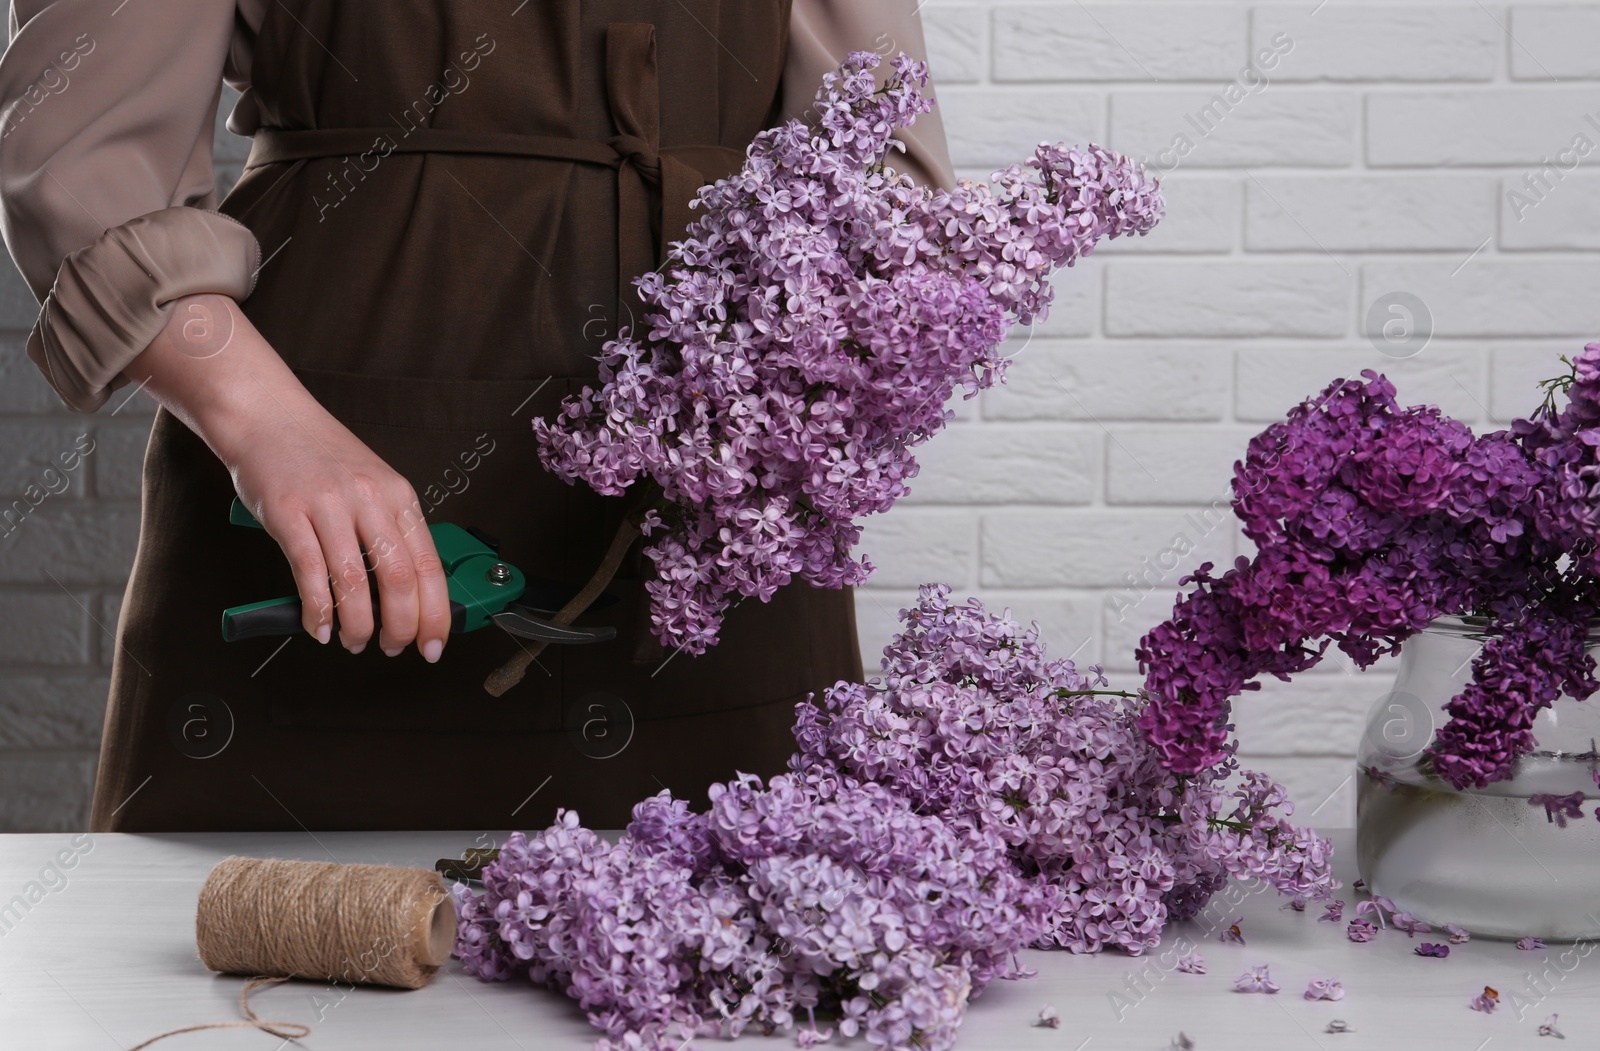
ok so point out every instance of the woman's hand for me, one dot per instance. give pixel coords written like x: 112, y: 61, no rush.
x: 319, y: 491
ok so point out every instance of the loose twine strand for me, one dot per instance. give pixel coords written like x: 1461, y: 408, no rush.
x: 278, y: 1029
x: 279, y: 919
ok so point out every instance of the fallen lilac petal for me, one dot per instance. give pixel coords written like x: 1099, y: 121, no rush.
x: 1324, y: 989
x: 1378, y: 906
x: 1255, y: 980
x: 1530, y: 944
x: 1338, y: 1025
x: 1458, y: 935
x: 1194, y: 963
x: 1548, y: 1028
x: 1410, y: 924
x: 1361, y: 931
x: 1486, y: 1001
x: 1432, y: 949
x: 1297, y: 903
x: 813, y: 1037
x: 1334, y: 913
x: 1233, y: 932
x: 1049, y: 1017
x: 1181, y: 1043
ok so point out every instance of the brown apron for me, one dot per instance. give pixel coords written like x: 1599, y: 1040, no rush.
x: 451, y: 196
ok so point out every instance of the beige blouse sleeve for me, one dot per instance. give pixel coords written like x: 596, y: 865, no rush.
x: 823, y: 32
x: 106, y: 190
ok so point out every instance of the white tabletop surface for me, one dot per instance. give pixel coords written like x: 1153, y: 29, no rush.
x: 107, y: 959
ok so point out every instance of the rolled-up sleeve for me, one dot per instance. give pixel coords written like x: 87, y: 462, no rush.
x: 823, y: 32
x: 106, y: 186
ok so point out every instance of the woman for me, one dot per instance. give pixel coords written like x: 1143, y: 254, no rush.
x: 443, y: 208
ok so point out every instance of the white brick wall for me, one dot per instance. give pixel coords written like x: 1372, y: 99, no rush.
x: 1396, y: 147
x: 1377, y: 155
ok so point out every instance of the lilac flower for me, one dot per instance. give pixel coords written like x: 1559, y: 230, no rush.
x: 1324, y: 989
x: 811, y: 1036
x: 1334, y: 913
x: 1255, y: 980
x: 975, y: 799
x: 806, y: 336
x: 1193, y: 963
x: 1548, y: 1028
x: 1530, y: 944
x: 1370, y: 520
x: 1559, y: 808
x: 1486, y: 1001
x: 1404, y: 921
x: 1432, y: 949
x: 1233, y: 932
x: 1297, y: 903
x: 1049, y: 1018
x: 972, y: 721
x: 1458, y: 935
x: 1378, y: 906
x: 1361, y: 931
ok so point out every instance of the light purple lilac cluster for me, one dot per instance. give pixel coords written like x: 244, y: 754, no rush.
x: 1371, y: 520
x: 807, y: 335
x: 976, y: 799
x: 971, y: 721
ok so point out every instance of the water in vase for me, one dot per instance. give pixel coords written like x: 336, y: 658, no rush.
x: 1495, y: 860
x: 1491, y: 860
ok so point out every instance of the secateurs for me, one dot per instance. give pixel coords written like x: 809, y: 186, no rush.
x: 484, y: 589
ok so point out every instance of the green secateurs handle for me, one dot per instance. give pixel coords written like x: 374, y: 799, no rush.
x: 484, y: 589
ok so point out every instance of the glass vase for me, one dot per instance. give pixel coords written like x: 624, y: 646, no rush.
x: 1494, y: 860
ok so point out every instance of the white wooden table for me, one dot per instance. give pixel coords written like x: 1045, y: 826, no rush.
x: 107, y: 959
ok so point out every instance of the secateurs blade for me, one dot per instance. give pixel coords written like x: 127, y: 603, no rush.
x: 484, y: 589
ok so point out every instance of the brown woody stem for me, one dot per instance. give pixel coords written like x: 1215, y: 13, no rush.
x: 511, y: 672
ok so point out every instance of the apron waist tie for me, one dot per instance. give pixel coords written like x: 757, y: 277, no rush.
x: 645, y: 169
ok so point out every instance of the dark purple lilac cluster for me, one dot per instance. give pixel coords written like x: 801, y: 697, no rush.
x: 807, y: 335
x: 1371, y: 520
x: 976, y: 799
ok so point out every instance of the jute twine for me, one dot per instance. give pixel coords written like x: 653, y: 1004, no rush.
x: 285, y: 1030
x: 374, y: 924
x: 277, y: 919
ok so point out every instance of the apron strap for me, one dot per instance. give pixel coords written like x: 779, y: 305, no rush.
x: 675, y: 173
x: 633, y: 91
x: 275, y: 145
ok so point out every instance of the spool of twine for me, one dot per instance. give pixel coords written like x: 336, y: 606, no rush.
x: 276, y: 919
x: 372, y: 924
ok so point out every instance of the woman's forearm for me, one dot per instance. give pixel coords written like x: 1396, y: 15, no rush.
x: 213, y: 370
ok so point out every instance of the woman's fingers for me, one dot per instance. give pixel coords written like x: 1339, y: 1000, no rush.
x: 390, y: 561
x: 413, y: 596
x: 352, y: 595
x: 300, y: 545
x: 433, y: 591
